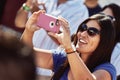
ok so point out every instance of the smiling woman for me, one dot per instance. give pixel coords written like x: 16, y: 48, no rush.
x: 89, y: 56
x: 88, y: 39
x: 102, y: 23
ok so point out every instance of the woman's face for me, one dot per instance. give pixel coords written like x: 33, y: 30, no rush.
x: 88, y: 37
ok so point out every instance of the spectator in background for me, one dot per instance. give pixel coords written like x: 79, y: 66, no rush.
x: 93, y: 6
x: 10, y: 8
x: 16, y: 59
x: 113, y: 10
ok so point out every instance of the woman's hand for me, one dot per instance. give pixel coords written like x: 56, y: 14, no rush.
x: 31, y: 25
x: 64, y: 37
x: 30, y: 28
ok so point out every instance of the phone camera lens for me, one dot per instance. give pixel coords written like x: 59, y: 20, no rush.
x: 52, y: 24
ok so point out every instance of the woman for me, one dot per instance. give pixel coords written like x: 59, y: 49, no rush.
x: 114, y: 11
x: 88, y: 59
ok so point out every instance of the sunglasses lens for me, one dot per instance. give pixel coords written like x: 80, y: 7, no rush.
x: 83, y: 27
x: 92, y: 31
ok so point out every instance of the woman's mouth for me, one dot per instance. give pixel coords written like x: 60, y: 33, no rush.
x: 82, y: 41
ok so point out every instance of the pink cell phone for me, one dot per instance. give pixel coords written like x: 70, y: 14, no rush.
x: 48, y: 22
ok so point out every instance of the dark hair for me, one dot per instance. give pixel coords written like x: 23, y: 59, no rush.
x: 116, y: 13
x: 2, y: 6
x: 118, y: 77
x: 16, y: 59
x: 103, y: 52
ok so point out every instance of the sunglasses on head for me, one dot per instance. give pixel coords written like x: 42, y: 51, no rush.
x: 91, y: 30
x: 111, y: 17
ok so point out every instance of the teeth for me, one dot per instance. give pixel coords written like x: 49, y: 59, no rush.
x: 80, y: 40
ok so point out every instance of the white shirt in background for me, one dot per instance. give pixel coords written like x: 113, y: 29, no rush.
x: 115, y: 58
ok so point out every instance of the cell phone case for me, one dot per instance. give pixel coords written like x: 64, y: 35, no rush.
x: 48, y: 22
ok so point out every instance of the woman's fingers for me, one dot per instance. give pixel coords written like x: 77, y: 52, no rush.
x: 31, y: 23
x: 65, y: 39
x: 64, y: 23
x: 52, y: 34
x: 36, y: 14
x: 58, y: 37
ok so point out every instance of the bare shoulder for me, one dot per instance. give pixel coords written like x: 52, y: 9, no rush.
x: 102, y: 75
x: 105, y: 71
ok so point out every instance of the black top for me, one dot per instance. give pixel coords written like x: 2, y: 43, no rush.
x: 94, y: 10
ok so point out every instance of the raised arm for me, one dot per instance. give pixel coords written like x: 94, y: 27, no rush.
x: 78, y: 68
x: 30, y: 28
x: 43, y: 57
x: 23, y: 12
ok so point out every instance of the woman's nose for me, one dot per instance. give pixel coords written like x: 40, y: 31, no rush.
x: 84, y: 33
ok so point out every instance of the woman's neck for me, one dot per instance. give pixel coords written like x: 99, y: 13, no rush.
x: 84, y: 57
